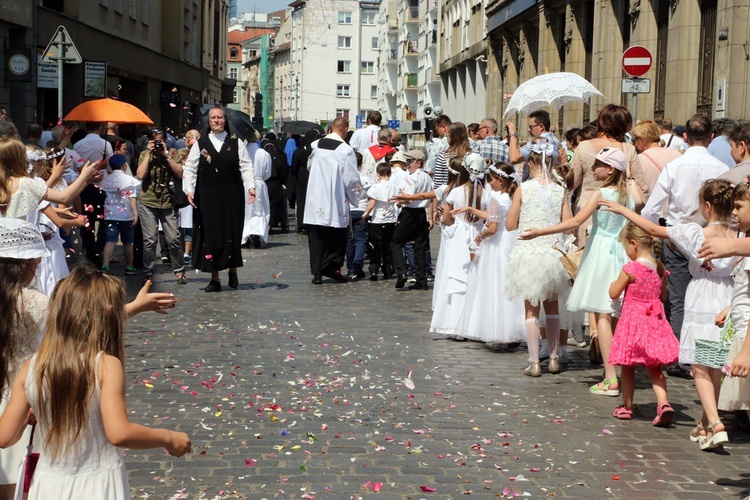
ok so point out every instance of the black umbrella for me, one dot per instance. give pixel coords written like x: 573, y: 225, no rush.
x: 238, y: 123
x: 300, y: 127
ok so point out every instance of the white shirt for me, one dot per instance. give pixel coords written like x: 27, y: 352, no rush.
x: 397, y: 176
x: 385, y: 211
x: 362, y: 202
x: 334, y: 181
x: 679, y: 183
x: 93, y: 148
x: 119, y: 188
x: 677, y: 143
x: 262, y: 165
x: 190, y: 169
x: 363, y: 138
x: 417, y: 182
x: 741, y: 299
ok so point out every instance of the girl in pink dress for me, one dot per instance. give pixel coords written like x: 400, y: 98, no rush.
x: 643, y: 335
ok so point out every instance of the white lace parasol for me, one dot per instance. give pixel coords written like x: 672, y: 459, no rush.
x: 552, y: 89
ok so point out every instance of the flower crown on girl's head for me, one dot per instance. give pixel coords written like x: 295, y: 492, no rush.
x: 542, y: 147
x: 32, y: 156
x: 515, y: 177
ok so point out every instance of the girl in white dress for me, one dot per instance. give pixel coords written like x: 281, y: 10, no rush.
x: 24, y: 312
x: 459, y: 232
x: 709, y: 291
x: 439, y: 195
x: 488, y: 316
x: 81, y: 428
x: 536, y: 274
x: 20, y: 194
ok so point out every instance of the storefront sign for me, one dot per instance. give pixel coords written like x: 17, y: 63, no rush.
x: 95, y: 79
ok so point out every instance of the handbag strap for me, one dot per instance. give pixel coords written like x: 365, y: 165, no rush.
x: 31, y: 437
x: 653, y: 162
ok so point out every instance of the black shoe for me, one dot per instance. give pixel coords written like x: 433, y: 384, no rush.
x: 336, y: 276
x: 400, y: 281
x: 677, y: 371
x: 359, y: 273
x: 213, y: 286
x: 430, y: 277
x: 373, y: 277
x: 317, y: 280
x: 387, y: 276
x: 164, y: 259
x: 233, y: 281
x: 418, y: 286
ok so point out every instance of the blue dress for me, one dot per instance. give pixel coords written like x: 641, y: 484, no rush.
x: 602, y: 260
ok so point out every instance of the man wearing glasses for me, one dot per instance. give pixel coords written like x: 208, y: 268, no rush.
x: 491, y: 147
x: 539, y: 125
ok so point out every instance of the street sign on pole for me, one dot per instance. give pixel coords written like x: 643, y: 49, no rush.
x: 61, y: 50
x: 636, y: 85
x: 636, y: 60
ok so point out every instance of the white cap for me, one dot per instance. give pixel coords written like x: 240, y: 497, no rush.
x: 20, y: 240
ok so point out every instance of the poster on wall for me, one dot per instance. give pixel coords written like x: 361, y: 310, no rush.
x: 95, y: 79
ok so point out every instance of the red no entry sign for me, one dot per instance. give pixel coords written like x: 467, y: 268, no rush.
x: 636, y: 60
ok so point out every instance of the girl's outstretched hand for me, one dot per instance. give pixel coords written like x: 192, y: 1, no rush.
x: 179, y: 445
x: 611, y: 206
x: 460, y: 210
x: 529, y: 234
x: 145, y: 301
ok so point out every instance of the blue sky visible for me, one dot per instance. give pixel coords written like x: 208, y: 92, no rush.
x: 261, y: 6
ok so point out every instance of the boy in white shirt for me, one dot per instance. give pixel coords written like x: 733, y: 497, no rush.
x: 120, y: 211
x: 383, y: 222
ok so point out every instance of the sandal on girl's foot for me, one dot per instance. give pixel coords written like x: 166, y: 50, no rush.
x: 605, y: 390
x: 623, y: 413
x: 664, y: 414
x: 717, y: 437
x: 695, y: 433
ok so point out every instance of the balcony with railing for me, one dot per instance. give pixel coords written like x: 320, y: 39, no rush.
x: 411, y: 81
x: 412, y: 12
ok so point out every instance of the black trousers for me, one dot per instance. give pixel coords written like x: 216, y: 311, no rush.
x: 412, y: 226
x: 380, y: 253
x: 327, y: 249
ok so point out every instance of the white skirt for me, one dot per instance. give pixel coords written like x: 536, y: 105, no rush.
x: 735, y: 391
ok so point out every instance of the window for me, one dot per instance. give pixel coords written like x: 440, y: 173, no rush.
x: 144, y: 12
x: 233, y: 73
x: 132, y: 12
x: 234, y: 96
x: 103, y: 3
x: 118, y: 6
x: 368, y: 67
x: 344, y: 67
x: 374, y: 43
x: 368, y: 18
x: 345, y: 18
x: 345, y: 42
x: 342, y: 113
x: 234, y: 53
x: 373, y: 91
x: 342, y: 90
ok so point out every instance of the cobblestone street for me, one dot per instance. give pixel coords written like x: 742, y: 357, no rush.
x: 290, y: 390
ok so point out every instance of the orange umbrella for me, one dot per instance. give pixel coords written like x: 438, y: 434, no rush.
x: 108, y: 110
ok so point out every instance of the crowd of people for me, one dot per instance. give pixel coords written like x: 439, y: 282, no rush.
x: 651, y: 212
x: 657, y: 214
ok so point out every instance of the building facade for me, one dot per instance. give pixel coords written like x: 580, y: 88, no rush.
x: 166, y: 57
x: 334, y: 55
x: 463, y: 59
x: 699, y: 50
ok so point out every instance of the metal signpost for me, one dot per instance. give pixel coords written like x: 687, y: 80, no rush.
x: 636, y: 61
x: 61, y: 50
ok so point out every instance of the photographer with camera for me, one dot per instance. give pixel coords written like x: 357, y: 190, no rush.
x: 156, y: 169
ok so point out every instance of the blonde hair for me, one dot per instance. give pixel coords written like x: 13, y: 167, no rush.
x: 86, y: 315
x: 12, y: 164
x: 644, y: 240
x: 648, y: 130
x: 618, y: 179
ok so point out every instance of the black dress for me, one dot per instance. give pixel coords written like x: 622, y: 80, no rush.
x: 299, y: 167
x: 219, y: 218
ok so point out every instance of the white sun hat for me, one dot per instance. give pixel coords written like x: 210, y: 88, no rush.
x: 20, y: 239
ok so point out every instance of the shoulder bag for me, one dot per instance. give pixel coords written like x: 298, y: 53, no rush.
x: 26, y: 468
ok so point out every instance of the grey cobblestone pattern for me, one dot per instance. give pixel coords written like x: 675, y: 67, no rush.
x: 291, y: 390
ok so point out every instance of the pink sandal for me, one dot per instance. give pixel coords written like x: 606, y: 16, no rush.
x: 623, y: 413
x: 664, y: 414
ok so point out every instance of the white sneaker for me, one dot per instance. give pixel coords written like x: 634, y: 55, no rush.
x: 562, y: 352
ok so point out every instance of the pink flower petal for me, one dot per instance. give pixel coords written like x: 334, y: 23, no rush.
x: 428, y: 489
